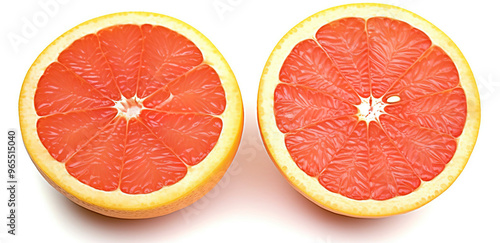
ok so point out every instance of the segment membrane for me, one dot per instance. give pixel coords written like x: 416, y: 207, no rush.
x: 390, y: 173
x: 426, y: 150
x: 346, y: 42
x: 60, y: 90
x: 444, y: 112
x: 433, y: 73
x: 348, y: 171
x: 198, y: 91
x: 297, y: 107
x: 314, y: 146
x: 85, y: 58
x: 190, y: 136
x: 308, y: 65
x: 148, y: 164
x: 166, y: 56
x: 65, y: 134
x: 103, y: 171
x: 122, y: 46
x: 394, y: 46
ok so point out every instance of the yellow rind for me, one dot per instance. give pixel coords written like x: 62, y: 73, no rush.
x: 199, y: 179
x: 309, y: 186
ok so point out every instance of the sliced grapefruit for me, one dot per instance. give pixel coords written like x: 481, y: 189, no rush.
x: 131, y: 115
x: 368, y: 110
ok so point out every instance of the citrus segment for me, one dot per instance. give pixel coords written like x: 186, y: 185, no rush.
x: 390, y: 173
x: 64, y: 134
x: 122, y: 46
x: 132, y: 115
x: 101, y: 172
x: 309, y: 66
x: 426, y: 150
x: 444, y: 112
x: 85, y: 58
x: 369, y: 166
x: 347, y: 171
x: 297, y: 107
x: 148, y: 165
x: 166, y: 56
x: 314, y: 146
x: 346, y: 43
x: 74, y: 94
x: 190, y: 136
x: 199, y: 91
x: 394, y: 46
x: 368, y: 110
x: 433, y: 72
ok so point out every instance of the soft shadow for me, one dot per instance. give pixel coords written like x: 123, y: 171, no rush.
x: 85, y: 222
x: 267, y: 194
x: 357, y: 226
x: 250, y: 172
x: 252, y: 187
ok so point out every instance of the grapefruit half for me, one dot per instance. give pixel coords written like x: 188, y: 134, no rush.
x: 131, y: 115
x: 368, y: 110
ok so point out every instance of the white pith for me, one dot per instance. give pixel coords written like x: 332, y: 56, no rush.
x: 370, y: 109
x: 129, y: 108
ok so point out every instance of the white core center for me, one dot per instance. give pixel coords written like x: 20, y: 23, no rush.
x: 129, y: 108
x: 370, y: 109
x: 133, y: 111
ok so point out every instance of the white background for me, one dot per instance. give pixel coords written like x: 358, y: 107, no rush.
x: 253, y: 202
